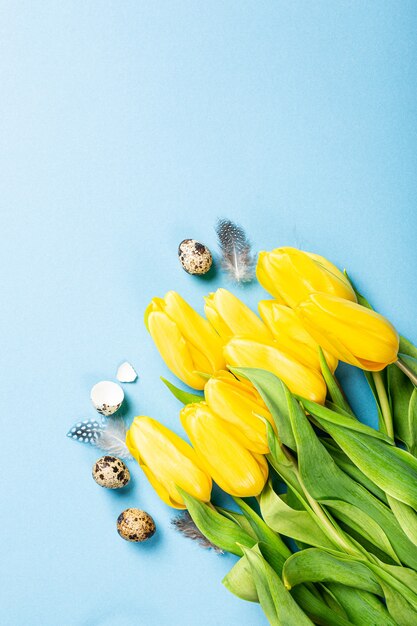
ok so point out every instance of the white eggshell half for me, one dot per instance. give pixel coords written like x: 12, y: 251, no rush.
x: 126, y: 373
x: 107, y: 397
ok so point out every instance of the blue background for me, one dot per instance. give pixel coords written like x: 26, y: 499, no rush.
x: 127, y: 126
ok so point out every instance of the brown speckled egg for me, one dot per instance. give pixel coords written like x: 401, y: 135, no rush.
x: 194, y: 257
x: 110, y: 472
x: 135, y: 525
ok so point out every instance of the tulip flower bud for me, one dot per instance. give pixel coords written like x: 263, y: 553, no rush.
x: 291, y: 275
x: 351, y: 332
x: 230, y: 316
x: 290, y: 334
x: 238, y: 403
x: 234, y: 468
x: 168, y: 461
x: 299, y: 378
x: 185, y: 340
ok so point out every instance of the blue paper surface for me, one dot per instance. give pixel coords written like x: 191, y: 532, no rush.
x: 125, y: 128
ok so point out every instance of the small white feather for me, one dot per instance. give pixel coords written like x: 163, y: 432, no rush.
x: 112, y: 438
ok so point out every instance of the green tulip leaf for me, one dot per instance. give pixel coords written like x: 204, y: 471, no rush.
x: 279, y: 606
x: 400, y: 579
x: 183, y: 396
x: 317, y: 609
x: 371, y: 382
x: 333, y: 388
x: 240, y: 519
x: 316, y: 565
x: 220, y: 530
x: 412, y: 422
x: 298, y: 525
x: 408, y: 348
x: 363, y: 524
x: 324, y: 480
x: 402, y: 394
x: 239, y: 581
x: 280, y: 462
x: 400, y: 610
x: 344, y: 463
x: 392, y: 469
x: 272, y: 391
x: 339, y: 419
x: 406, y: 577
x: 410, y: 361
x: 279, y: 551
x: 406, y: 517
x: 361, y: 607
x: 330, y: 598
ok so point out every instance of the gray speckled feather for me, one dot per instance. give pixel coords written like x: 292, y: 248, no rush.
x: 237, y: 258
x: 185, y: 525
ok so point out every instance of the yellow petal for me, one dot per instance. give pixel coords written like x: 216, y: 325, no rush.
x: 185, y: 340
x: 196, y: 330
x: 168, y: 461
x: 239, y: 404
x: 174, y: 349
x: 234, y: 468
x: 290, y: 334
x: 292, y: 275
x: 300, y: 379
x: 230, y: 316
x: 350, y: 331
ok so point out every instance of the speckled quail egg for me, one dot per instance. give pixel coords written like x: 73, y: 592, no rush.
x: 135, y: 525
x: 195, y: 257
x: 110, y: 472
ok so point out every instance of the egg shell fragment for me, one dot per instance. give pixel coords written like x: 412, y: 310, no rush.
x: 107, y: 397
x: 126, y: 373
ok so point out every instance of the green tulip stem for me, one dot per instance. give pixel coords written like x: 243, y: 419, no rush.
x: 334, y: 533
x: 384, y: 403
x: 407, y: 371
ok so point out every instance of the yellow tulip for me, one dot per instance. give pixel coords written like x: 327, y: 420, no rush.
x: 233, y: 467
x: 185, y: 340
x: 351, y: 332
x: 299, y: 378
x: 238, y: 403
x: 168, y: 461
x: 290, y: 334
x: 291, y: 275
x: 230, y: 316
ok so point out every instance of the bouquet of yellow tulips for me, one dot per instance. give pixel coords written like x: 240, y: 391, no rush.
x: 329, y: 533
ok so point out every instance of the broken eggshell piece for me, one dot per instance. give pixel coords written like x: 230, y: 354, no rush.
x: 107, y: 397
x: 126, y: 373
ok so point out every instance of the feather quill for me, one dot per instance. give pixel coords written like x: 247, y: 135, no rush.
x: 237, y: 258
x: 112, y: 438
x: 185, y: 525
